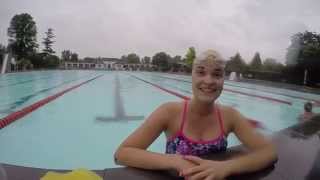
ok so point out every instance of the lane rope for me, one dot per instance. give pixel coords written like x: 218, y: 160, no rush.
x: 24, y: 111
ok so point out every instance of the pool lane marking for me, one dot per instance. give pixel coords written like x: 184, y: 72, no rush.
x: 120, y: 114
x: 23, y: 112
x: 253, y: 122
x: 164, y: 89
x: 228, y: 84
x: 24, y: 99
x: 242, y: 93
x: 282, y: 94
x: 261, y: 97
x: 25, y: 81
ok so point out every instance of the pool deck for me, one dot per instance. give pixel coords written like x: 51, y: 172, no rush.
x: 298, y: 150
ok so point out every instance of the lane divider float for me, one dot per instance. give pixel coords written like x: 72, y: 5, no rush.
x: 23, y: 112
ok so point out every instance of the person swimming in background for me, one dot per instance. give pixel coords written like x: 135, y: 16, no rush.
x: 308, y: 114
x: 197, y: 127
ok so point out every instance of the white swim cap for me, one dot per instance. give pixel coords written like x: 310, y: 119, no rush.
x: 210, y: 55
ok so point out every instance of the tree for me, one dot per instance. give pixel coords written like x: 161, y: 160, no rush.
x: 161, y: 60
x: 190, y: 56
x: 37, y: 59
x: 236, y: 64
x: 124, y: 58
x: 256, y: 63
x: 66, y: 55
x: 51, y: 61
x: 176, y: 63
x: 270, y: 64
x: 24, y: 64
x: 294, y: 49
x: 146, y: 60
x: 74, y: 57
x: 303, y: 55
x: 133, y: 58
x: 47, y: 42
x: 22, y: 34
x: 176, y: 59
x: 2, y: 49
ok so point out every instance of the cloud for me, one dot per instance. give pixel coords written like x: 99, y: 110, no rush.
x: 113, y: 28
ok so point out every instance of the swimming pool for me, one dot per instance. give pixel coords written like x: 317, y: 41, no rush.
x: 84, y: 126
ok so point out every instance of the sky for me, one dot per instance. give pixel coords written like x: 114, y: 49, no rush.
x: 104, y: 28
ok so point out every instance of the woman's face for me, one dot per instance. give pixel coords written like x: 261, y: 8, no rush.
x: 207, y: 80
x: 308, y: 107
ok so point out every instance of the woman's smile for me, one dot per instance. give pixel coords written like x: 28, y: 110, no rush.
x: 207, y: 90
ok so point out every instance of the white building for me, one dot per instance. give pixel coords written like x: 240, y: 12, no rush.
x: 105, y: 64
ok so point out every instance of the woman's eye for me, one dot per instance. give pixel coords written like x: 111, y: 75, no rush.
x: 217, y: 75
x: 200, y: 72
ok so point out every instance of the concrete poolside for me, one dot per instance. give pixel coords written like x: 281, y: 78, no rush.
x: 298, y: 148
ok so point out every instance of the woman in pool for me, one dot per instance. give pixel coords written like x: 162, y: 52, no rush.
x: 308, y: 114
x: 195, y: 128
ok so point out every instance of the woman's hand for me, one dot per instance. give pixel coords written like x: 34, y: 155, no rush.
x: 180, y: 164
x: 206, y: 169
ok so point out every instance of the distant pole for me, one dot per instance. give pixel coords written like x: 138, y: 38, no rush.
x: 4, y: 63
x: 305, y: 77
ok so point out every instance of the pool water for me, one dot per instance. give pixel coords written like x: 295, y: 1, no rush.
x: 83, y: 127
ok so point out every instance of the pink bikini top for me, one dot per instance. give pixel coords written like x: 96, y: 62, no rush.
x: 180, y: 144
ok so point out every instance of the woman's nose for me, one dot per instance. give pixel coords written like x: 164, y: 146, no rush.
x: 209, y: 79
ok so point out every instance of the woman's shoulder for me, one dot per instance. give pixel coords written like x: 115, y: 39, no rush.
x: 172, y: 107
x: 170, y: 112
x: 228, y: 111
x: 306, y: 116
x: 163, y: 114
x: 230, y: 116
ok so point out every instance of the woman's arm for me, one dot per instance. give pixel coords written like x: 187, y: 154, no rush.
x: 261, y: 150
x: 132, y: 152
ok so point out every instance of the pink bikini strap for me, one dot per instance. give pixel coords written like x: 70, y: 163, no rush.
x: 183, y: 115
x: 220, y: 119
